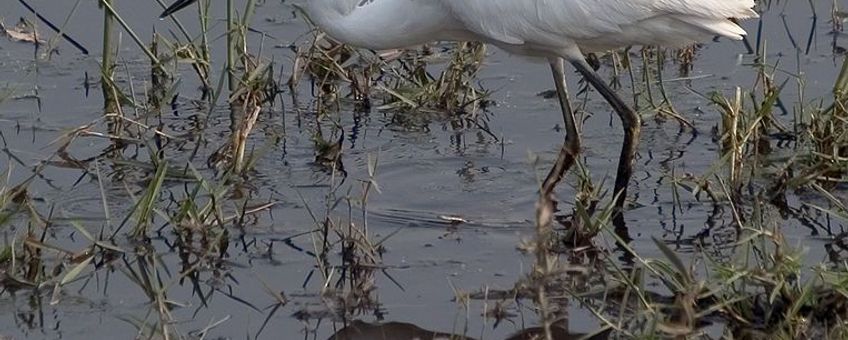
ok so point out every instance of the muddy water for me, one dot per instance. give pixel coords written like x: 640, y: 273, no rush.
x: 423, y: 174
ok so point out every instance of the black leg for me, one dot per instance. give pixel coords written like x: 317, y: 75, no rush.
x: 566, y: 159
x: 632, y: 128
x: 176, y: 6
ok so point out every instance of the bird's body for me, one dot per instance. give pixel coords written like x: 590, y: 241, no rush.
x: 544, y: 28
x: 558, y: 30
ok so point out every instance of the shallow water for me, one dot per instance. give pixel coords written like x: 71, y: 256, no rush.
x: 424, y: 175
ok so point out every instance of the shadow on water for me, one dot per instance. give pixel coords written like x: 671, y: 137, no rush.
x: 358, y: 330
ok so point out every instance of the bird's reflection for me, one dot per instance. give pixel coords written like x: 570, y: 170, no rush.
x: 359, y: 330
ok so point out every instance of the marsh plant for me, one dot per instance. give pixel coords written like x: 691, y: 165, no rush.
x: 184, y: 203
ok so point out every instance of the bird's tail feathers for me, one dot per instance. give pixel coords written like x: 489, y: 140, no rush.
x: 722, y: 27
x: 724, y: 9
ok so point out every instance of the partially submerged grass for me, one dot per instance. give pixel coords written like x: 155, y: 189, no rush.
x: 749, y: 128
x: 753, y: 282
x: 403, y: 81
x: 756, y: 285
x: 453, y: 91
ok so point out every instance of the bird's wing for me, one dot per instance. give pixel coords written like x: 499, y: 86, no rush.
x: 543, y: 21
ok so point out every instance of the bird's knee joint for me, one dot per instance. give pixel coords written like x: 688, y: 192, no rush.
x: 631, y: 121
x: 572, y: 145
x: 634, y: 129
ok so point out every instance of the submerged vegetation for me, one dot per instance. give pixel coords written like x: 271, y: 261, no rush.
x: 189, y: 195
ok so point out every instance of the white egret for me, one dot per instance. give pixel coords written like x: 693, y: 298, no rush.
x: 558, y: 30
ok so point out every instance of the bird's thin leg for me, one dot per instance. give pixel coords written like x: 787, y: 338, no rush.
x: 571, y: 145
x: 546, y: 205
x: 632, y: 127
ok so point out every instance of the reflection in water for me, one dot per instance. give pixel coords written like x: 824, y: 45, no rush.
x: 358, y: 330
x: 209, y: 260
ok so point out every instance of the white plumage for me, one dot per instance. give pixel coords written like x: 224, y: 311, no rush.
x: 531, y: 27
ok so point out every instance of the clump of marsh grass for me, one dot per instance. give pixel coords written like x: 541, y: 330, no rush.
x: 741, y: 136
x: 452, y: 91
x: 404, y: 80
x: 108, y: 64
x: 329, y: 65
x: 749, y: 126
x: 255, y: 89
x: 827, y: 135
x: 746, y: 131
x: 198, y: 221
x: 762, y: 291
x: 349, y: 280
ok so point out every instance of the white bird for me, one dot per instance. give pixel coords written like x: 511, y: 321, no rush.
x: 558, y: 30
